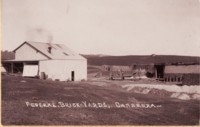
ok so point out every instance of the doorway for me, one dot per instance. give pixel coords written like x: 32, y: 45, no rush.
x: 160, y: 71
x: 72, y: 76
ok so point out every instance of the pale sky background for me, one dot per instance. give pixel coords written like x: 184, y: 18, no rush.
x: 113, y: 27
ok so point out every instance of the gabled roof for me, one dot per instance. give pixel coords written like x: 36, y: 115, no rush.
x: 58, y: 51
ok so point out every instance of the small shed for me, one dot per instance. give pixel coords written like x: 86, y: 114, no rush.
x: 186, y: 73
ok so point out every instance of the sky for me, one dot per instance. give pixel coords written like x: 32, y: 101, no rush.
x: 111, y: 27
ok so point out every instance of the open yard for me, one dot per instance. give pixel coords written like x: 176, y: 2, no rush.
x: 28, y: 101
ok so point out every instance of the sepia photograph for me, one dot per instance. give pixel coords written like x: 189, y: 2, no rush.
x: 100, y: 62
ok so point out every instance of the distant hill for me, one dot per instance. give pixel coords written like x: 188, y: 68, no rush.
x: 125, y: 60
x: 137, y: 59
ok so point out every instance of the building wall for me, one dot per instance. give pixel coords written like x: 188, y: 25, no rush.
x: 27, y: 53
x: 61, y: 69
x: 191, y: 79
x: 183, y: 69
x: 182, y: 73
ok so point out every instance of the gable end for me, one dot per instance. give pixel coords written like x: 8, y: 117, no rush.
x: 32, y: 48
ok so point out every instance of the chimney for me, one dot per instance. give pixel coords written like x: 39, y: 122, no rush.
x: 49, y: 49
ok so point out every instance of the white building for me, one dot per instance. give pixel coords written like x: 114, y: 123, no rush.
x: 47, y: 60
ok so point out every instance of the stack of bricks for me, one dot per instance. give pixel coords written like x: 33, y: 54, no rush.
x: 191, y: 79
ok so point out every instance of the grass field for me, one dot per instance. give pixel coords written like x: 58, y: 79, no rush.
x: 18, y: 93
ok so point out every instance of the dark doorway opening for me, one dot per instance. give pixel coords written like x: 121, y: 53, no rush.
x: 72, y: 75
x: 8, y: 67
x: 13, y: 67
x: 17, y: 66
x: 160, y: 71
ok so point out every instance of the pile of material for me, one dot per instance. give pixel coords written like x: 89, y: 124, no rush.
x: 180, y: 92
x: 191, y: 79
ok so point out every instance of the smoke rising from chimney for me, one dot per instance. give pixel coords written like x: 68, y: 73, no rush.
x: 39, y: 35
x: 68, y: 8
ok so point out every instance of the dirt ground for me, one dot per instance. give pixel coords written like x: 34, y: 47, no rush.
x: 20, y: 94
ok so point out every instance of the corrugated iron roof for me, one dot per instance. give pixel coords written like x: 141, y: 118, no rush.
x: 58, y: 51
